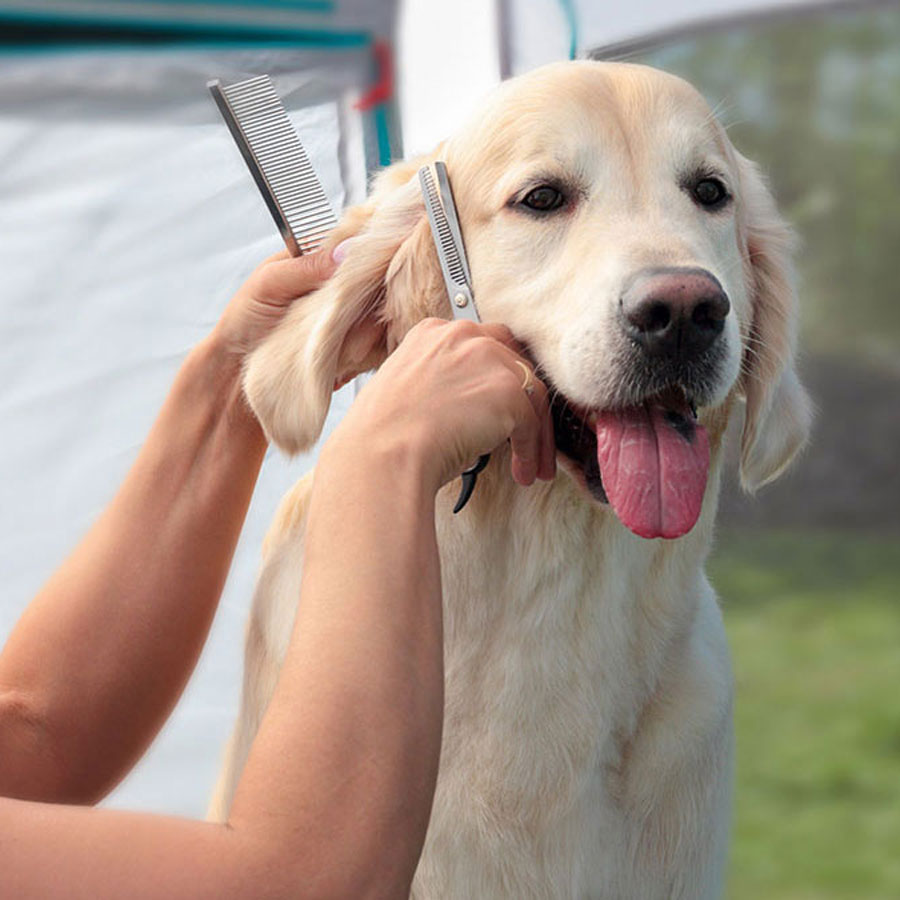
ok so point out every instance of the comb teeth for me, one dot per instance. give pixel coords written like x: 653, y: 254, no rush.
x: 445, y: 236
x: 269, y: 144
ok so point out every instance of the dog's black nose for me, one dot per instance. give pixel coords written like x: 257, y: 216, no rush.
x: 674, y: 312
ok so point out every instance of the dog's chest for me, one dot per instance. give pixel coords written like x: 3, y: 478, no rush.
x: 543, y: 682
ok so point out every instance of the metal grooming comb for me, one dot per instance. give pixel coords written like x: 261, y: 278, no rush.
x: 260, y: 126
x: 452, y: 253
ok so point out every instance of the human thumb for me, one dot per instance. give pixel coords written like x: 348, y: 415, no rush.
x: 284, y: 280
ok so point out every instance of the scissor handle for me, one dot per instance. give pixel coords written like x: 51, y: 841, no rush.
x: 469, y: 477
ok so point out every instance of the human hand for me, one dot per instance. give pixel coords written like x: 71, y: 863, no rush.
x: 264, y: 298
x: 450, y: 392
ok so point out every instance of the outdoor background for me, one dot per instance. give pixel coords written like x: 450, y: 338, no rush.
x: 809, y: 572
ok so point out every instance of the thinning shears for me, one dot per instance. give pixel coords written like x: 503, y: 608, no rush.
x: 452, y: 253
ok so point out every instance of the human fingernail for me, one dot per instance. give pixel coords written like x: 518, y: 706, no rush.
x: 339, y: 253
x: 524, y: 471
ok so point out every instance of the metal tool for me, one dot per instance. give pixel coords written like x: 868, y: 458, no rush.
x: 452, y: 253
x: 260, y: 126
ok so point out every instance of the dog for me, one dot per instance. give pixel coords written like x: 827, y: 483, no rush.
x: 611, y: 225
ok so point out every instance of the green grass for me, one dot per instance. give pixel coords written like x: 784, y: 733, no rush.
x: 814, y: 626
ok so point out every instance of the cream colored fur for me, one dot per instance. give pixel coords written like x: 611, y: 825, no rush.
x: 588, y: 740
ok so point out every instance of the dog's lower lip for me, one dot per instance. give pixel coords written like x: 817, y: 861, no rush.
x: 575, y: 436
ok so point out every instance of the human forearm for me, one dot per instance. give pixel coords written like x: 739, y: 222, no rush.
x: 360, y: 697
x: 56, y: 852
x: 102, y: 653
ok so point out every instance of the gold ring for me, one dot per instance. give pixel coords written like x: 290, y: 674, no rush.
x: 528, y: 383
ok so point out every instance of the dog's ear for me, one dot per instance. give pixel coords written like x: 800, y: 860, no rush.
x: 778, y: 412
x: 389, y: 279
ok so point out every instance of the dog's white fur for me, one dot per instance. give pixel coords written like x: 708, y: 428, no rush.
x: 587, y: 742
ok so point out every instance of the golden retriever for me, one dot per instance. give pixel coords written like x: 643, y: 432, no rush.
x: 587, y: 746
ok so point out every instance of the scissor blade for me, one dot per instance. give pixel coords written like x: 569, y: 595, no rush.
x: 449, y: 206
x: 450, y: 253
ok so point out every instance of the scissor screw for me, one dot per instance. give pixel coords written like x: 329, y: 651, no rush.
x: 460, y: 300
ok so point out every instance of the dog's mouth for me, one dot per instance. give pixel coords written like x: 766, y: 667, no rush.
x: 650, y: 461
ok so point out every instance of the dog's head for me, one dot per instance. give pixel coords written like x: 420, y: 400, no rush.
x: 612, y: 226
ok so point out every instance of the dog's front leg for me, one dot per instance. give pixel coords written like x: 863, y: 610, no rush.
x: 268, y: 633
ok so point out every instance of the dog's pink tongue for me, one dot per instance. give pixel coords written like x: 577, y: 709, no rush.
x: 654, y: 464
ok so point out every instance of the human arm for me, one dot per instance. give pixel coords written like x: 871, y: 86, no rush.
x: 335, y: 796
x: 100, y: 656
x: 363, y: 680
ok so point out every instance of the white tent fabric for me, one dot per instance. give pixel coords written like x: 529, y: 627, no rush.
x: 127, y: 221
x: 448, y: 59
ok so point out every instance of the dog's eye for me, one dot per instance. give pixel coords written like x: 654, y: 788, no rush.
x: 710, y: 192
x: 543, y: 199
